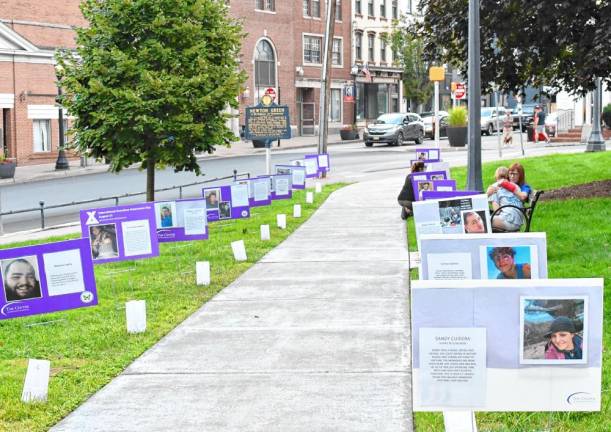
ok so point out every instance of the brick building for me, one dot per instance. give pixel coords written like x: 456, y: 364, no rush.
x: 283, y: 50
x: 30, y: 32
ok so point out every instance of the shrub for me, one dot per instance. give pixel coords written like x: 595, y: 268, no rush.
x: 457, y: 117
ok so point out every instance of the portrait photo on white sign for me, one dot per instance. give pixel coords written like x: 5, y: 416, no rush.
x: 21, y: 278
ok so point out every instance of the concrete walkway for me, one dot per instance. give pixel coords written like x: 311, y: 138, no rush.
x: 314, y: 337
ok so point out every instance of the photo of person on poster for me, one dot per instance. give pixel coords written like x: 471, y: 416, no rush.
x: 166, y: 217
x: 506, y: 263
x: 212, y: 199
x: 103, y: 240
x: 424, y: 186
x: 553, y: 330
x: 225, y: 210
x: 474, y: 222
x: 20, y: 278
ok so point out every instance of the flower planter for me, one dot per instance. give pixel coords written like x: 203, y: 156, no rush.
x: 457, y: 135
x: 7, y: 169
x: 349, y: 134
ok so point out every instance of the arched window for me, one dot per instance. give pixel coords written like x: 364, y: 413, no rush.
x: 265, y: 65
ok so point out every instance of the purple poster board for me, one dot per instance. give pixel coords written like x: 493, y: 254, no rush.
x: 227, y: 202
x: 281, y: 187
x: 121, y: 233
x: 311, y: 164
x: 297, y: 173
x: 424, y: 181
x: 260, y: 191
x: 181, y: 220
x: 428, y: 154
x: 428, y: 195
x: 46, y: 278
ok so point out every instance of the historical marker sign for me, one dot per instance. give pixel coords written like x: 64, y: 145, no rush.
x: 267, y: 122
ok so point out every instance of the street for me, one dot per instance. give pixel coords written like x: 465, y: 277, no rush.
x: 349, y: 162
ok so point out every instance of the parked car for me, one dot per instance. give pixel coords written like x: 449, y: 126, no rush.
x: 551, y: 124
x: 528, y: 111
x: 427, y: 118
x: 394, y: 129
x: 488, y: 119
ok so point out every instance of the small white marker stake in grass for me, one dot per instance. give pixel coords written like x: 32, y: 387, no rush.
x: 318, y: 187
x: 36, y: 385
x: 202, y: 272
x: 265, y: 232
x: 239, y: 250
x: 297, y: 210
x: 309, y: 197
x: 281, y: 221
x: 135, y: 313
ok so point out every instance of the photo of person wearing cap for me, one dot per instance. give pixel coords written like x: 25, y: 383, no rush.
x: 564, y: 342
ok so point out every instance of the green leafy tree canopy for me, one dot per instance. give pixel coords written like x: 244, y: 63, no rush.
x: 149, y: 81
x: 561, y: 44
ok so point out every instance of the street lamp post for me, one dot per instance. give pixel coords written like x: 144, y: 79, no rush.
x: 354, y: 71
x: 596, y: 142
x: 62, y: 161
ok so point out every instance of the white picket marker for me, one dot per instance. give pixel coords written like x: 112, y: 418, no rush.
x: 239, y: 250
x: 36, y: 384
x: 265, y: 235
x: 309, y: 197
x: 202, y: 272
x: 318, y: 187
x: 459, y: 421
x: 281, y: 221
x: 297, y: 210
x: 135, y: 313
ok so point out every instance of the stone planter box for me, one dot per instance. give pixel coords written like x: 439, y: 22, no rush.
x: 457, y: 136
x: 349, y: 134
x: 7, y: 169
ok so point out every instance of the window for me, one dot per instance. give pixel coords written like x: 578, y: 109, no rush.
x: 336, y: 55
x: 42, y: 135
x: 358, y: 45
x: 311, y: 8
x: 335, y: 112
x: 370, y: 45
x: 358, y: 7
x: 311, y: 49
x: 265, y: 65
x: 383, y: 48
x: 370, y: 10
x: 338, y: 10
x: 266, y: 5
x: 382, y: 8
x: 395, y: 9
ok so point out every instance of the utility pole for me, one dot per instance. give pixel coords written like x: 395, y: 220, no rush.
x: 325, y: 78
x: 474, y: 165
x: 596, y: 142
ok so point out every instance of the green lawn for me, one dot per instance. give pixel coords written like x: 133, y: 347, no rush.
x: 578, y: 240
x: 88, y: 347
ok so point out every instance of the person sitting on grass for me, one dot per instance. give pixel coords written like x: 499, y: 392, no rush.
x: 502, y: 193
x: 406, y: 196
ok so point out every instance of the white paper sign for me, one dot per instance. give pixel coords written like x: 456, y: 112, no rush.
x: 36, y: 384
x: 298, y: 176
x: 239, y: 250
x: 323, y: 161
x: 195, y: 221
x: 239, y: 195
x: 453, y: 367
x: 202, y: 272
x: 265, y: 235
x: 64, y: 272
x: 282, y: 186
x: 297, y: 210
x: 260, y: 190
x: 311, y: 166
x: 136, y: 237
x: 449, y: 266
x: 429, y: 228
x: 309, y: 197
x: 135, y: 314
x: 281, y: 221
x: 318, y: 187
x: 459, y: 421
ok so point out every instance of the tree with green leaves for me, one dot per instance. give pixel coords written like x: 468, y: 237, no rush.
x: 560, y: 44
x: 149, y: 82
x: 408, y: 49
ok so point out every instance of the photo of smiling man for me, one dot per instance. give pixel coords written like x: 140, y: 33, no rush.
x: 20, y: 278
x: 509, y: 262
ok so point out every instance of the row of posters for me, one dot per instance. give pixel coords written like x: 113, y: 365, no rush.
x: 59, y: 276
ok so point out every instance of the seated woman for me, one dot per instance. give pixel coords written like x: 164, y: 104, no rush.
x: 516, y: 175
x: 564, y: 343
x: 406, y: 196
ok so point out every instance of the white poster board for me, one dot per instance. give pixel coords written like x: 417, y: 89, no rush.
x: 530, y: 364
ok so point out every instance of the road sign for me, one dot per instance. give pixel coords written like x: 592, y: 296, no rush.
x: 460, y: 91
x: 271, y: 92
x: 437, y: 73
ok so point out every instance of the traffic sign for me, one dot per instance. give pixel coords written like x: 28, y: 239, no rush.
x: 460, y: 91
x: 271, y: 92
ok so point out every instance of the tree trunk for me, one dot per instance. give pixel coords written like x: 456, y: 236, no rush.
x: 150, y: 180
